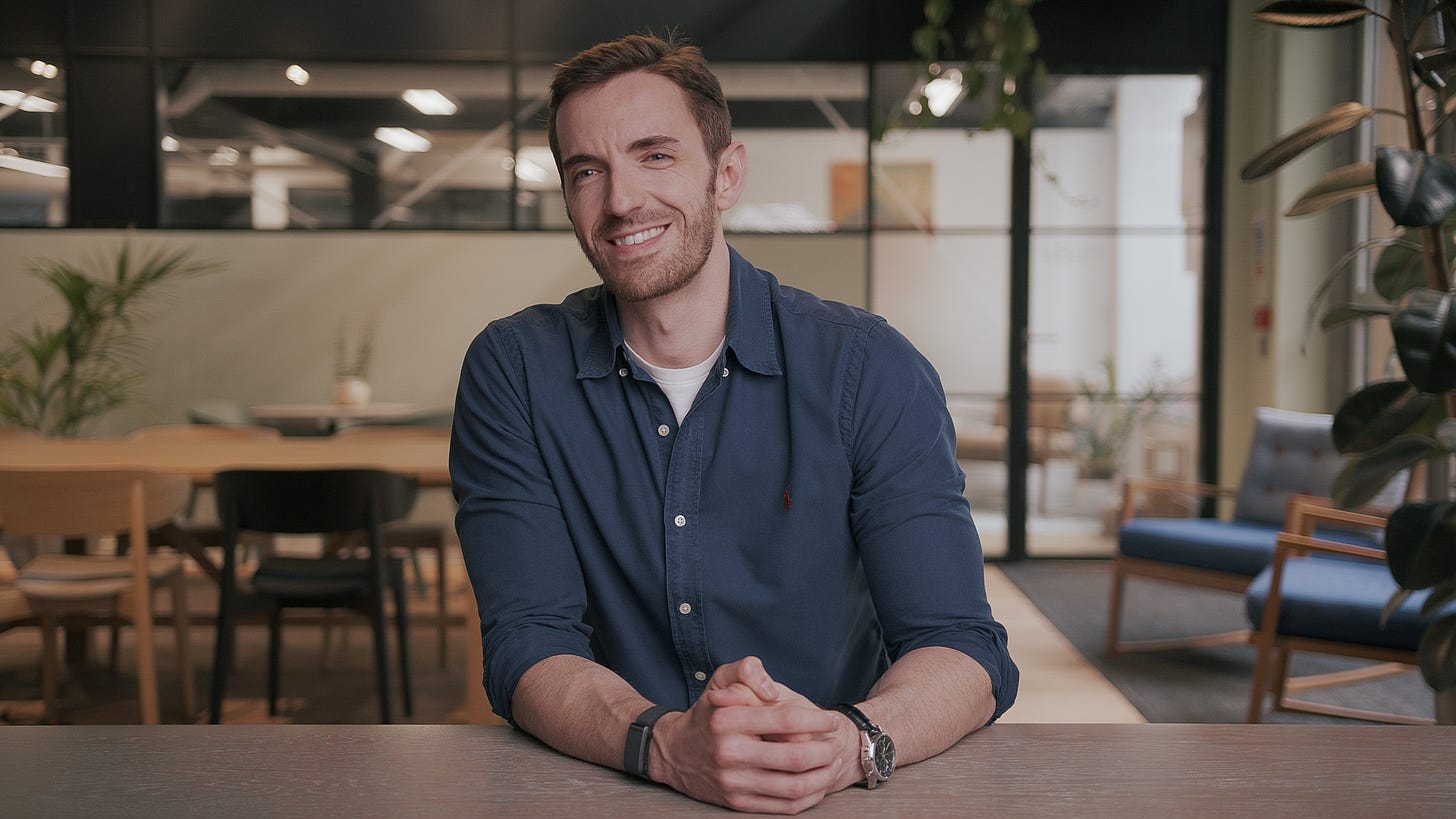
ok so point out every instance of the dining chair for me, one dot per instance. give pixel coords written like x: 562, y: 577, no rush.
x: 416, y: 536
x: 1329, y: 597
x: 315, y: 502
x: 1291, y: 455
x: 87, y: 589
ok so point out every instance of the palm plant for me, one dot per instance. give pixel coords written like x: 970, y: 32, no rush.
x: 1390, y: 426
x: 56, y: 378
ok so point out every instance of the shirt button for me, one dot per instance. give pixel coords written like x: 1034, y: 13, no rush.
x: 685, y: 608
x: 622, y: 372
x: 699, y: 676
x: 680, y: 521
x: 725, y: 372
x: 663, y: 430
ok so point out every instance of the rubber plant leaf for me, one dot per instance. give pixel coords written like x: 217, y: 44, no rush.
x: 1337, y: 120
x: 1349, y: 313
x: 1441, y: 594
x: 1335, y: 186
x: 1400, y: 269
x: 1311, y: 13
x: 1382, y: 410
x: 1432, y: 66
x: 1365, y: 476
x: 1416, y: 188
x: 1424, y: 328
x: 1437, y: 653
x: 1420, y: 544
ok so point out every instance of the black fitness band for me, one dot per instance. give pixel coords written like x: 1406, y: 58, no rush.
x: 639, y: 740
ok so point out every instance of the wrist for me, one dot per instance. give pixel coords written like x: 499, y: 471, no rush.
x: 659, y: 752
x: 637, y: 753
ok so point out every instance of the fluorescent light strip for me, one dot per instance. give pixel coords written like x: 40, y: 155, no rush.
x: 403, y: 138
x: 28, y: 102
x: 429, y: 101
x: 20, y: 163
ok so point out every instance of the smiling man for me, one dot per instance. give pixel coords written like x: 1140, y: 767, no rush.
x: 714, y: 525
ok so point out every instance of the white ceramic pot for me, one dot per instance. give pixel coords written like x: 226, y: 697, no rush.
x: 350, y: 391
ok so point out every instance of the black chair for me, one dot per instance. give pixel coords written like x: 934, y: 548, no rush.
x: 322, y: 501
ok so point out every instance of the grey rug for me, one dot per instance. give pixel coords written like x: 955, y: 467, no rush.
x: 1193, y: 685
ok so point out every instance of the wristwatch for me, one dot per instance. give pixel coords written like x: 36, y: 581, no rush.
x: 639, y: 740
x: 877, y: 750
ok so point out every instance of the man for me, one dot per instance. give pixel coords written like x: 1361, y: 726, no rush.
x: 696, y: 497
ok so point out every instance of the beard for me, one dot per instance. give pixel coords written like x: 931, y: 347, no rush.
x: 651, y: 278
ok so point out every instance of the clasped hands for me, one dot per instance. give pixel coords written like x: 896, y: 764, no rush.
x: 753, y: 744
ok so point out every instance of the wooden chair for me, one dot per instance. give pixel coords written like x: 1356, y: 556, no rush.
x: 1329, y: 597
x: 1047, y: 436
x: 416, y: 537
x: 83, y: 502
x: 312, y: 501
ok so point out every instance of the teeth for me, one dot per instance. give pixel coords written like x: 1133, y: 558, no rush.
x: 640, y: 237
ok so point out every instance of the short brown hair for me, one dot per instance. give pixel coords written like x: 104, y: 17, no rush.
x: 672, y: 58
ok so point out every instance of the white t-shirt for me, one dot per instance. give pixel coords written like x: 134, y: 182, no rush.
x: 680, y: 385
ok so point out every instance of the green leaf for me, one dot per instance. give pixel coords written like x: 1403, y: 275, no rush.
x: 1401, y: 268
x: 1441, y: 594
x: 1437, y: 653
x: 1337, y: 120
x: 1348, y: 313
x: 937, y: 12
x: 1338, y: 185
x: 1393, y: 605
x: 1420, y: 544
x: 1311, y: 13
x: 1416, y: 188
x: 1424, y: 327
x: 1382, y: 410
x: 1364, y: 477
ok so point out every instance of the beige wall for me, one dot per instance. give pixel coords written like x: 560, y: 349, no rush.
x: 263, y: 330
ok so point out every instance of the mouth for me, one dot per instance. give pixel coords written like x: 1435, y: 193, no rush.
x: 640, y: 237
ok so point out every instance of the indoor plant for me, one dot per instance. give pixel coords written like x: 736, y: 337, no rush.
x: 1392, y: 425
x: 56, y: 378
x: 352, y: 359
x: 1102, y: 420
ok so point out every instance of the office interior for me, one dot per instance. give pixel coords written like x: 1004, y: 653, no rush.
x: 1117, y: 245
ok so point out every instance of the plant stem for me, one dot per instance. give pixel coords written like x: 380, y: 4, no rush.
x: 1434, y: 247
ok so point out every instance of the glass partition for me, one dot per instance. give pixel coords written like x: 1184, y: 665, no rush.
x: 33, y: 169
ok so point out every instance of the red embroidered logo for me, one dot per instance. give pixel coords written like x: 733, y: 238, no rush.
x: 788, y: 501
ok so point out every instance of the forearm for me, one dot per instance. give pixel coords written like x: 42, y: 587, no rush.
x: 928, y: 700
x: 577, y: 707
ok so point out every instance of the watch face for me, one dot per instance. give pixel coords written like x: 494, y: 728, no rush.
x: 884, y: 756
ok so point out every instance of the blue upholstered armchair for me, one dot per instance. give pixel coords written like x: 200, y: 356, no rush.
x: 1328, y: 597
x: 1291, y: 455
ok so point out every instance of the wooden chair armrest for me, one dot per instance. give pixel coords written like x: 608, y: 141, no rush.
x: 1305, y: 512
x: 1167, y: 486
x: 1290, y: 543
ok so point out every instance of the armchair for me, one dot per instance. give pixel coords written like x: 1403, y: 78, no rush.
x: 1291, y: 454
x: 1328, y: 597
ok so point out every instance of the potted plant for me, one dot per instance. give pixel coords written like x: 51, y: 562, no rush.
x: 55, y: 378
x: 1102, y: 420
x: 1393, y: 425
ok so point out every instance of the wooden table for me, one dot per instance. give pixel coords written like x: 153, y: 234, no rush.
x: 426, y: 458
x: 329, y: 416
x: 455, y: 770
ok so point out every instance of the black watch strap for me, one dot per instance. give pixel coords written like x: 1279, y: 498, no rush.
x: 857, y: 717
x: 639, y: 740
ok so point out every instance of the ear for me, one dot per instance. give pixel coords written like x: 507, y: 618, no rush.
x: 731, y: 176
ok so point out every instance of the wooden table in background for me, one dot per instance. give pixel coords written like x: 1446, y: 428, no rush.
x: 468, y: 770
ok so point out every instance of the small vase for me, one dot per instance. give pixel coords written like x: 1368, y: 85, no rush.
x: 351, y: 391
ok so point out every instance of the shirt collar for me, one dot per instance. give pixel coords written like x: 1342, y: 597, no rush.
x: 750, y: 324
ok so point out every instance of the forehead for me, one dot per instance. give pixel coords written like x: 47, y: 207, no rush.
x: 624, y: 109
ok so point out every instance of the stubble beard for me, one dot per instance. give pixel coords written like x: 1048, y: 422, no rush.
x: 653, y: 278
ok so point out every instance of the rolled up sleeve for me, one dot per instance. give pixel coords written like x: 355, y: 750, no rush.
x: 518, y: 554
x: 910, y: 517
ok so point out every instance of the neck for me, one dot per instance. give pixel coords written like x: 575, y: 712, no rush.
x: 682, y: 328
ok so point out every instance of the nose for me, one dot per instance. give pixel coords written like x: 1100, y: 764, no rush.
x: 627, y: 193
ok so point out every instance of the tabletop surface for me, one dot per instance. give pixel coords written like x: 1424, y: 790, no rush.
x: 424, y: 457
x: 375, y: 411
x: 1015, y: 770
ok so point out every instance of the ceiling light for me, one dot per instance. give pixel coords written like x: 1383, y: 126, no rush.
x: 943, y: 92
x: 225, y: 157
x: 429, y: 101
x: 20, y: 163
x: 170, y: 144
x: 403, y: 138
x: 41, y: 68
x: 296, y: 74
x: 28, y: 102
x: 528, y: 171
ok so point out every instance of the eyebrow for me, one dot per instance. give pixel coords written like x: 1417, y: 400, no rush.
x: 643, y: 144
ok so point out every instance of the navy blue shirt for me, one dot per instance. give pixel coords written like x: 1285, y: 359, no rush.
x: 808, y: 511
